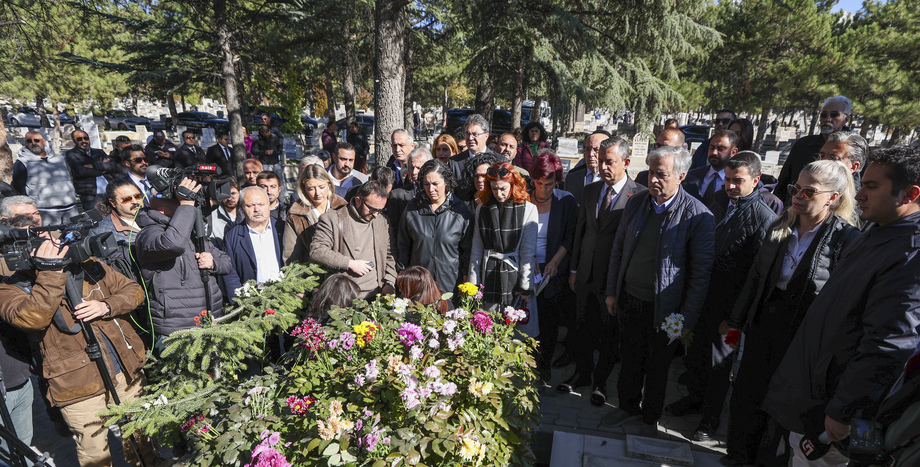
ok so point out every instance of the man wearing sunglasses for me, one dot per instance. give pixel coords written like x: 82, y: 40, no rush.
x: 835, y: 114
x: 45, y: 178
x: 135, y: 161
x: 91, y: 169
x: 862, y: 327
x: 701, y: 155
x: 355, y: 239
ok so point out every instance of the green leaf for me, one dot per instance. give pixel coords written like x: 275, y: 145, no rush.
x: 331, y: 449
x: 314, y: 443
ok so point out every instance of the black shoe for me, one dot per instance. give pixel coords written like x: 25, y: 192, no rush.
x: 573, y: 383
x: 729, y: 461
x: 599, y: 396
x: 706, y: 431
x: 686, y: 406
x: 564, y: 360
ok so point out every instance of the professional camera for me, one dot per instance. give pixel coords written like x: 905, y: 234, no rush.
x: 166, y: 181
x: 18, y: 244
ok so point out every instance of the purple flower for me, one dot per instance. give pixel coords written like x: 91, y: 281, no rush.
x: 346, y: 340
x: 432, y: 372
x: 410, y: 398
x: 446, y: 389
x: 409, y: 334
x: 482, y: 322
x: 449, y: 326
x: 457, y: 313
x: 274, y: 438
x: 371, y: 371
x: 415, y: 352
x: 455, y: 341
x: 359, y: 380
x: 359, y: 424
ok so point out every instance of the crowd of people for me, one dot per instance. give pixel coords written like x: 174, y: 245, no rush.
x: 817, y: 270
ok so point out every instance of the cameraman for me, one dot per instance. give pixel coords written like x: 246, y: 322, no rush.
x: 29, y: 302
x: 170, y: 265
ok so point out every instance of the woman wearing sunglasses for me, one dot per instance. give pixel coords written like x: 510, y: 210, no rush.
x: 504, y: 238
x: 798, y: 255
x: 119, y: 209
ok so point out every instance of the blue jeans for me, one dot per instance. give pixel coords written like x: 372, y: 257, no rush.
x: 19, y: 403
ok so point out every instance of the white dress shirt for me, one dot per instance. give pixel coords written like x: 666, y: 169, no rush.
x: 263, y: 244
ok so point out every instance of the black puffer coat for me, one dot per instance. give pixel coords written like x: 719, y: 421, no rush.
x: 439, y: 240
x: 166, y: 256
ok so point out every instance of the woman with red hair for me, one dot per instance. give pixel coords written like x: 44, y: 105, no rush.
x: 445, y: 147
x: 556, y: 216
x: 418, y: 285
x: 504, y: 238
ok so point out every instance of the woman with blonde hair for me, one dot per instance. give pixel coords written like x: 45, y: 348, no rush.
x: 315, y: 196
x: 445, y: 147
x: 800, y: 251
x: 504, y: 238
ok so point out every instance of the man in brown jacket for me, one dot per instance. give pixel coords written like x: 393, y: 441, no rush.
x: 355, y: 239
x: 29, y: 301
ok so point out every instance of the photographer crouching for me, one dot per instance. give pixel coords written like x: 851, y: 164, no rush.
x: 35, y: 301
x: 178, y: 275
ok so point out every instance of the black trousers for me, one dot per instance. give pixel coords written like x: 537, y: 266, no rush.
x: 594, y: 329
x: 749, y: 438
x: 646, y: 357
x: 549, y: 312
x: 709, y: 364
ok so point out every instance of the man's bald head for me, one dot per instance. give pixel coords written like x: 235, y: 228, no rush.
x: 670, y: 137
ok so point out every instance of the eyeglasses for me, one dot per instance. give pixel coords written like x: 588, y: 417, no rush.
x: 476, y: 135
x: 832, y: 114
x: 138, y: 160
x: 724, y: 121
x: 190, y: 137
x: 81, y: 138
x: 374, y: 210
x: 37, y: 140
x: 808, y: 192
x: 128, y: 199
x: 500, y: 172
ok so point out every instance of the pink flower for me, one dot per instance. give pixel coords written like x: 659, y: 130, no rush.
x: 409, y: 334
x: 310, y: 335
x: 482, y: 322
x: 300, y: 406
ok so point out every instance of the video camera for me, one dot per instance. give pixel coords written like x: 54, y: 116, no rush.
x: 166, y: 181
x: 18, y: 244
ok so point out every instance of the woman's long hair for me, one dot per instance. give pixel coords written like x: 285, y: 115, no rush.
x: 337, y: 290
x: 308, y: 173
x: 418, y: 285
x: 518, y: 185
x: 836, y: 177
x: 746, y: 136
x: 525, y: 136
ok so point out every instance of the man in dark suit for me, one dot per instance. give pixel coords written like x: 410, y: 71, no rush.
x: 667, y: 137
x: 580, y: 177
x: 721, y: 122
x: 190, y: 153
x: 476, y: 129
x: 704, y: 182
x: 221, y: 155
x: 87, y: 165
x: 252, y: 246
x: 598, y: 218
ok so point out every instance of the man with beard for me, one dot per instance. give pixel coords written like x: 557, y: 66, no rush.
x: 136, y: 161
x: 721, y: 122
x: 343, y: 177
x: 45, y: 178
x: 835, y: 114
x: 90, y: 168
x: 704, y: 182
x: 159, y: 150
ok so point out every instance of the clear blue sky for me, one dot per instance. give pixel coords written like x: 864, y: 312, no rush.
x: 849, y: 5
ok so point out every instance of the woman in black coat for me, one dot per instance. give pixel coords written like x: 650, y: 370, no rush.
x: 791, y: 267
x: 556, y: 211
x: 434, y: 231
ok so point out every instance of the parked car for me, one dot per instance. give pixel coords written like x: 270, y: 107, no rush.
x: 501, y: 120
x: 196, y: 121
x: 124, y: 120
x: 28, y: 117
x: 695, y: 133
x: 365, y: 123
x: 66, y: 118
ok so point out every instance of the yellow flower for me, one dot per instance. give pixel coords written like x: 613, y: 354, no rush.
x: 480, y: 389
x: 364, y: 332
x: 335, y: 408
x: 468, y: 288
x: 469, y: 449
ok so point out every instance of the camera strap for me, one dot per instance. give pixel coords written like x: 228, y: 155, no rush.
x: 74, y: 298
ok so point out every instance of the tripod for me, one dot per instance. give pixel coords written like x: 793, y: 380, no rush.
x: 73, y: 295
x: 17, y: 450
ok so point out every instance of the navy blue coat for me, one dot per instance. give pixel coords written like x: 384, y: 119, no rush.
x: 563, y: 214
x: 238, y: 247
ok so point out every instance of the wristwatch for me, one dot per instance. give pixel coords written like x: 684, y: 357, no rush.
x: 108, y: 313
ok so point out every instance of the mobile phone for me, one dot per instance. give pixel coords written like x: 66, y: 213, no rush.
x: 370, y: 264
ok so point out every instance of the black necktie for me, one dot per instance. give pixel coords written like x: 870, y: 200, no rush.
x: 605, y: 205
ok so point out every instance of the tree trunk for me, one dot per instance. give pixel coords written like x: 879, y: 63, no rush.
x: 184, y: 107
x: 42, y: 115
x: 408, y: 104
x: 537, y: 113
x: 348, y: 75
x: 762, y: 127
x: 814, y: 121
x: 173, y: 113
x: 485, y: 92
x: 864, y: 128
x: 391, y: 21
x: 517, y: 95
x: 228, y: 74
x: 895, y: 137
x: 330, y: 97
x: 6, y: 156
x: 57, y: 131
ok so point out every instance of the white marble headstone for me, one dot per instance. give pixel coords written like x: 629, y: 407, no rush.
x: 207, y: 137
x: 639, y: 147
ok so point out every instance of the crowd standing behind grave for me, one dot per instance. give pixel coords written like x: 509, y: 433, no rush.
x: 819, y: 276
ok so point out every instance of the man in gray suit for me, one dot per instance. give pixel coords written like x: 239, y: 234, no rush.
x: 581, y: 176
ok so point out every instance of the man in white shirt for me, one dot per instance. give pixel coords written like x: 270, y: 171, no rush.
x: 342, y: 173
x: 136, y: 161
x: 704, y: 182
x: 252, y: 246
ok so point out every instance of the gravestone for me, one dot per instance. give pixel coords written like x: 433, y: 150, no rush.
x: 88, y: 124
x: 772, y: 157
x: 639, y: 147
x: 568, y: 147
x: 658, y: 450
x: 142, y: 133
x: 207, y: 137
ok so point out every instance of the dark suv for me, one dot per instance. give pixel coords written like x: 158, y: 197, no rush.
x: 365, y: 123
x: 196, y: 121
